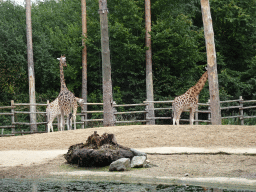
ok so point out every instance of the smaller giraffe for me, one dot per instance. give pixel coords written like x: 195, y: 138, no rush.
x: 81, y: 103
x: 188, y: 100
x: 53, y: 111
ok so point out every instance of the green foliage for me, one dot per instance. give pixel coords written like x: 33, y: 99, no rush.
x: 127, y: 47
x: 176, y: 55
x: 13, y: 70
x: 178, y: 46
x: 235, y: 33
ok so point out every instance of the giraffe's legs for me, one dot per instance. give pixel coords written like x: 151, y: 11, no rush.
x: 58, y: 118
x: 176, y: 117
x: 74, y: 114
x: 174, y: 114
x: 74, y: 118
x: 69, y: 121
x: 49, y: 124
x: 62, y: 121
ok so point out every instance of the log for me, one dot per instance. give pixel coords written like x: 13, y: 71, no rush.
x: 98, y: 151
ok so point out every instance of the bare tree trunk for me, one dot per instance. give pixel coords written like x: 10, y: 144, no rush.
x: 31, y: 73
x: 106, y: 66
x: 211, y: 63
x: 149, y: 74
x: 84, y: 62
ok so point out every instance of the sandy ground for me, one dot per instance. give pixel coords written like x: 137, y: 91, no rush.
x: 40, y: 146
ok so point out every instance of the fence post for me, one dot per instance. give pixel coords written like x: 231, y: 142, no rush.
x: 114, y: 113
x: 209, y: 109
x: 13, y: 119
x: 147, y: 110
x: 196, y: 115
x: 46, y: 118
x: 241, y: 110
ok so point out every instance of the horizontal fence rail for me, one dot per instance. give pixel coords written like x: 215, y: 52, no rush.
x: 124, y: 116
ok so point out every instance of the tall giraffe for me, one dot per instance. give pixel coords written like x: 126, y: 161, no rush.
x: 67, y: 99
x: 188, y: 100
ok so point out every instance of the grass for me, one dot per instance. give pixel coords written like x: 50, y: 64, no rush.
x: 68, y: 167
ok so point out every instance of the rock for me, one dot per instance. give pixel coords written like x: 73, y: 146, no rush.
x: 122, y: 164
x: 138, y: 153
x: 138, y: 161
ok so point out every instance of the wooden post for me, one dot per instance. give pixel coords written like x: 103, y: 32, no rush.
x: 47, y: 118
x: 31, y: 72
x: 84, y: 64
x: 106, y: 65
x: 211, y: 63
x: 13, y: 118
x: 209, y: 109
x: 114, y: 111
x: 146, y: 109
x: 149, y: 74
x: 241, y: 110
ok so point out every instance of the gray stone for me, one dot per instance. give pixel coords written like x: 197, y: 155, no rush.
x: 137, y: 153
x: 122, y: 164
x: 138, y: 161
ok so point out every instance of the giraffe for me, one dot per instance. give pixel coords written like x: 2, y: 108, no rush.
x: 81, y: 102
x: 188, y: 100
x: 53, y: 111
x: 67, y: 99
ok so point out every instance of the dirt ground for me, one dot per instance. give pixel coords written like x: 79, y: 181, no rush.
x: 143, y: 136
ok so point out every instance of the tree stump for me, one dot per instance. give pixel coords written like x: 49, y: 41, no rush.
x: 98, y: 151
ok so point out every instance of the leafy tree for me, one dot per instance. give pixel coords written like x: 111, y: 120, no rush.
x: 235, y: 28
x: 178, y: 48
x: 127, y: 49
x: 13, y: 67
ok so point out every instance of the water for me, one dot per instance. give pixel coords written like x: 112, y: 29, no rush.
x: 11, y: 185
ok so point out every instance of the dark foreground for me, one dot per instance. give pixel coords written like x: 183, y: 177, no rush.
x: 46, y: 185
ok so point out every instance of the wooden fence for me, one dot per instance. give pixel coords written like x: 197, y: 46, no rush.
x: 204, y: 108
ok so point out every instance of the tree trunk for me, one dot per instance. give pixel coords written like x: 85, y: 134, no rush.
x: 211, y: 63
x: 31, y: 73
x: 84, y: 62
x: 149, y: 74
x: 106, y: 66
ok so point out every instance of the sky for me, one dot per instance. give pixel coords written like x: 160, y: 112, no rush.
x: 21, y: 2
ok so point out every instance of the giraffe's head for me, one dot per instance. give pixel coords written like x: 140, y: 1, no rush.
x: 80, y: 101
x: 62, y: 60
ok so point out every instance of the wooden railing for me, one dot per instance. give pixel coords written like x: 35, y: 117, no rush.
x: 136, y: 116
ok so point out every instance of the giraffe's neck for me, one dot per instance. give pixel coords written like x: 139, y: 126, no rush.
x: 196, y: 89
x: 62, y: 79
